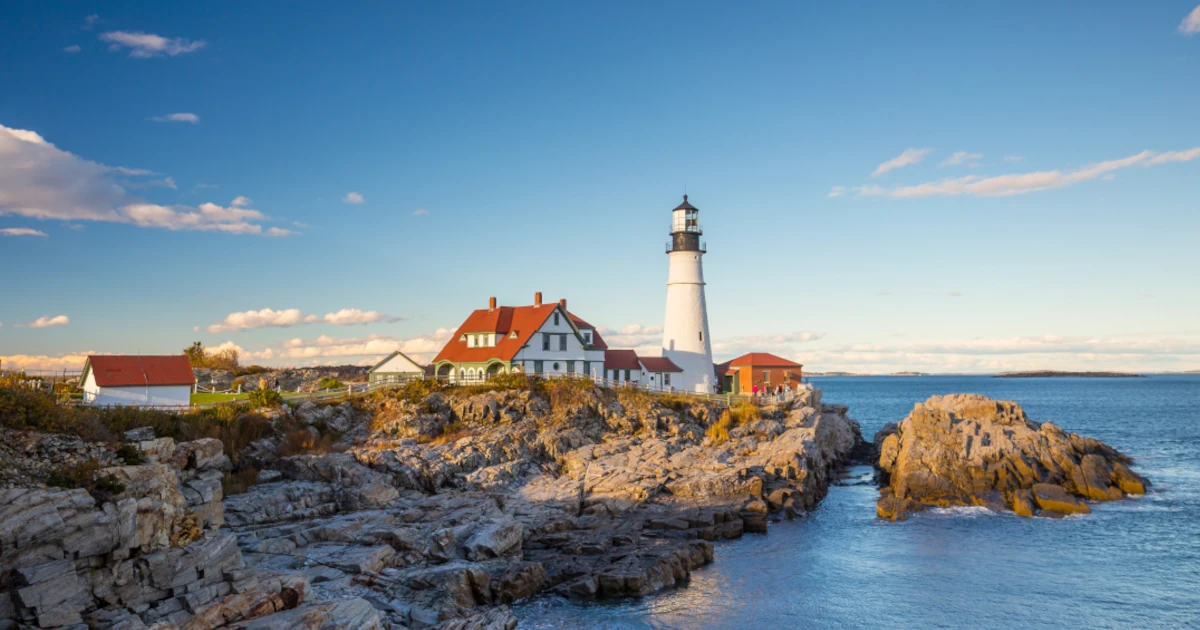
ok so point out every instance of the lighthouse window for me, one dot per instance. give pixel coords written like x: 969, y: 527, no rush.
x: 701, y: 335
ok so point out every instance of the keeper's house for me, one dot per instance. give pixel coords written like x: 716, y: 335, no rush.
x: 761, y: 370
x: 543, y: 339
x: 164, y: 381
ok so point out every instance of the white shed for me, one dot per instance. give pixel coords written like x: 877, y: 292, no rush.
x: 161, y: 381
x: 396, y: 368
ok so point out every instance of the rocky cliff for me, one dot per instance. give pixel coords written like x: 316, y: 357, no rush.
x: 430, y: 511
x: 970, y: 450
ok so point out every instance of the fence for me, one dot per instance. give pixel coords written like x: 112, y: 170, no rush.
x: 353, y: 390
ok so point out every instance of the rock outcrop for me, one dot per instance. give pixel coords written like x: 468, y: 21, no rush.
x: 435, y: 511
x: 970, y: 450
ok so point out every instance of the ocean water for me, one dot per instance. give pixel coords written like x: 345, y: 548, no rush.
x: 1129, y: 564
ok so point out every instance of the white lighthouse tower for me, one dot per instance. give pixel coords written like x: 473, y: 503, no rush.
x: 685, y: 331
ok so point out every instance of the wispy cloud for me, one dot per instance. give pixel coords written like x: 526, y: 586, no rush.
x: 21, y: 232
x: 186, y: 117
x: 420, y: 212
x: 836, y: 191
x: 286, y: 318
x: 90, y: 21
x: 908, y: 158
x: 353, y: 197
x: 1014, y: 158
x: 962, y: 157
x: 46, y: 321
x: 1191, y: 24
x: 41, y: 181
x: 241, y: 202
x: 73, y: 48
x: 36, y: 362
x: 325, y: 349
x: 145, y: 45
x: 1022, y: 183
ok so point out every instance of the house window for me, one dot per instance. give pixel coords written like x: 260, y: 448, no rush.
x: 666, y: 378
x: 587, y: 336
x: 537, y: 367
x: 562, y: 342
x: 766, y: 376
x: 545, y: 341
x: 556, y: 318
x: 555, y: 366
x: 471, y: 341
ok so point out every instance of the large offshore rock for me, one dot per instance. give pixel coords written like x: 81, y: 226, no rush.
x: 967, y: 449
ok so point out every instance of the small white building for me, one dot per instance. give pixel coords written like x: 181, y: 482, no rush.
x: 396, y: 368
x: 160, y: 381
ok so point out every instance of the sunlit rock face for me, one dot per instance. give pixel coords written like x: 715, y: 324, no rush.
x: 967, y: 449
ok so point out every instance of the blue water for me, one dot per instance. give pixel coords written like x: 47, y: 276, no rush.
x: 1129, y: 564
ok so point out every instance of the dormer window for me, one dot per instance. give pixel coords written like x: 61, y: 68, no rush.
x: 587, y: 336
x: 470, y: 341
x: 512, y: 335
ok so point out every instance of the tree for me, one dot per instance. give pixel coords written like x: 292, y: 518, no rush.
x: 196, y: 355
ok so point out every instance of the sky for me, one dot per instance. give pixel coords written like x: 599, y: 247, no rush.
x: 883, y: 186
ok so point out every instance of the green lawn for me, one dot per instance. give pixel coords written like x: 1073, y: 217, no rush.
x: 205, y: 399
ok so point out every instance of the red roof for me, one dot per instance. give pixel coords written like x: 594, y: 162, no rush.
x: 127, y: 371
x: 621, y: 360
x: 597, y: 340
x: 658, y: 364
x: 762, y: 359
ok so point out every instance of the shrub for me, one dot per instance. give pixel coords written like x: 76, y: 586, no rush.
x: 415, y: 391
x: 238, y: 482
x: 131, y: 454
x: 87, y: 475
x: 569, y: 391
x: 330, y: 382
x: 718, y: 432
x: 265, y: 398
x: 304, y: 442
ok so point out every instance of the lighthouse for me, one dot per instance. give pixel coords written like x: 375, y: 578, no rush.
x: 685, y: 331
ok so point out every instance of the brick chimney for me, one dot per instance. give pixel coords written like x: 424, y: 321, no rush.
x: 491, y: 304
x: 563, y: 303
x: 537, y: 298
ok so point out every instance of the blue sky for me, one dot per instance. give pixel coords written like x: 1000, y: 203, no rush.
x: 884, y: 186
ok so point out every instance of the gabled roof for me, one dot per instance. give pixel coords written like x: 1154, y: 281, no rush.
x: 503, y: 320
x: 129, y: 371
x: 392, y: 356
x: 659, y: 364
x: 762, y: 360
x: 597, y: 340
x: 621, y: 360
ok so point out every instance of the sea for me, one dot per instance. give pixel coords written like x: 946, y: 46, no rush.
x: 1129, y: 564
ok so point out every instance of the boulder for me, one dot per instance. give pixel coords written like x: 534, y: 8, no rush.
x: 970, y: 450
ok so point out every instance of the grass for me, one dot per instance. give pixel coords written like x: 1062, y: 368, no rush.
x: 208, y: 399
x: 730, y: 419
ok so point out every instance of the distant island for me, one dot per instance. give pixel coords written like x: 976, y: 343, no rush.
x: 1057, y: 374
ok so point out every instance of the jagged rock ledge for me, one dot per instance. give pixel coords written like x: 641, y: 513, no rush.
x: 430, y: 512
x: 970, y: 450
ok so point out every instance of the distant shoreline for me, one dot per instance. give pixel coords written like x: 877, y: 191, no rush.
x: 1056, y: 374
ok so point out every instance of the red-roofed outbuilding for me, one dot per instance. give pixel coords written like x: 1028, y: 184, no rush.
x: 761, y: 370
x: 154, y: 380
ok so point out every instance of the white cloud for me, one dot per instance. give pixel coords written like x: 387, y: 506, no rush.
x: 73, y: 48
x: 353, y: 197
x: 353, y: 316
x: 1014, y: 158
x: 21, y: 232
x: 41, y: 362
x: 241, y: 202
x: 360, y: 350
x: 266, y: 318
x: 1022, y: 183
x: 1191, y: 24
x: 41, y: 181
x: 961, y: 157
x: 186, y: 117
x: 145, y: 45
x: 908, y: 158
x: 277, y: 232
x: 47, y: 322
x: 836, y: 191
x: 419, y: 212
x: 270, y: 318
